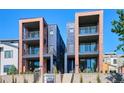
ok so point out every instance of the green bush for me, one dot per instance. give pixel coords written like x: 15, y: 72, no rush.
x: 13, y: 81
x: 55, y: 70
x: 90, y: 82
x: 12, y: 70
x: 0, y: 79
x: 98, y: 79
x: 81, y: 79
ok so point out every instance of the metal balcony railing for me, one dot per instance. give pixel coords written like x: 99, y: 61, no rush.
x: 35, y: 52
x: 32, y: 35
x: 88, y: 30
x: 31, y: 52
x: 88, y: 52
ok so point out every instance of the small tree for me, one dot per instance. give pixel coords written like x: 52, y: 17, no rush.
x: 13, y: 81
x: 98, y: 79
x: 81, y: 78
x: 55, y: 70
x: 118, y: 28
x: 12, y: 70
x: 0, y: 79
x: 90, y: 82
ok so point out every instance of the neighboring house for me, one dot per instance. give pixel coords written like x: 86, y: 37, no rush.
x: 40, y: 46
x: 85, y: 43
x: 105, y: 67
x: 8, y: 55
x: 114, y: 62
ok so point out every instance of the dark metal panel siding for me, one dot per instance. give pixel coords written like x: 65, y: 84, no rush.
x: 55, y: 39
x: 52, y: 38
x: 70, y: 38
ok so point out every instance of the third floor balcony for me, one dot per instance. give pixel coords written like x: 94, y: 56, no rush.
x: 88, y: 30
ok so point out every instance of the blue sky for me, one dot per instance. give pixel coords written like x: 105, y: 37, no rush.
x: 9, y: 23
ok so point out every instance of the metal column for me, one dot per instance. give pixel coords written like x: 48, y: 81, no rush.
x: 65, y: 64
x: 51, y: 64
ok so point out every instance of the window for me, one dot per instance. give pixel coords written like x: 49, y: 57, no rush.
x: 82, y: 30
x: 93, y: 29
x: 36, y: 64
x: 88, y: 64
x: 88, y: 30
x: 6, y: 68
x: 34, y: 34
x: 88, y: 47
x: 51, y: 33
x: 33, y: 50
x: 71, y: 48
x: 51, y: 49
x: 115, y: 61
x: 93, y: 47
x: 71, y: 30
x: 8, y: 54
x: 1, y: 49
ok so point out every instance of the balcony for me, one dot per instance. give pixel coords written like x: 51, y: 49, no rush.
x: 88, y: 49
x: 32, y: 35
x: 88, y: 52
x: 88, y: 31
x: 34, y: 52
x: 31, y: 53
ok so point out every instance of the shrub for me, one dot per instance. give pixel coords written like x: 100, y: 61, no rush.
x: 0, y: 79
x: 13, y: 81
x: 98, y: 79
x: 81, y: 79
x: 55, y: 70
x: 90, y: 82
x: 12, y: 70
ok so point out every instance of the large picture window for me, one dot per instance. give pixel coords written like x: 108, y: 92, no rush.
x: 88, y: 30
x: 88, y: 47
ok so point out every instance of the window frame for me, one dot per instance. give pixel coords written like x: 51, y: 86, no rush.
x: 6, y: 56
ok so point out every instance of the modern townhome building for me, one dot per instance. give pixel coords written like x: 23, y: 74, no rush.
x: 8, y: 55
x: 40, y: 46
x: 113, y: 62
x: 88, y: 41
x: 85, y: 42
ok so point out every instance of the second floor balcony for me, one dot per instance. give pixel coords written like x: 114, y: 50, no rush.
x: 35, y: 52
x: 31, y: 53
x: 32, y: 35
x: 88, y: 48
